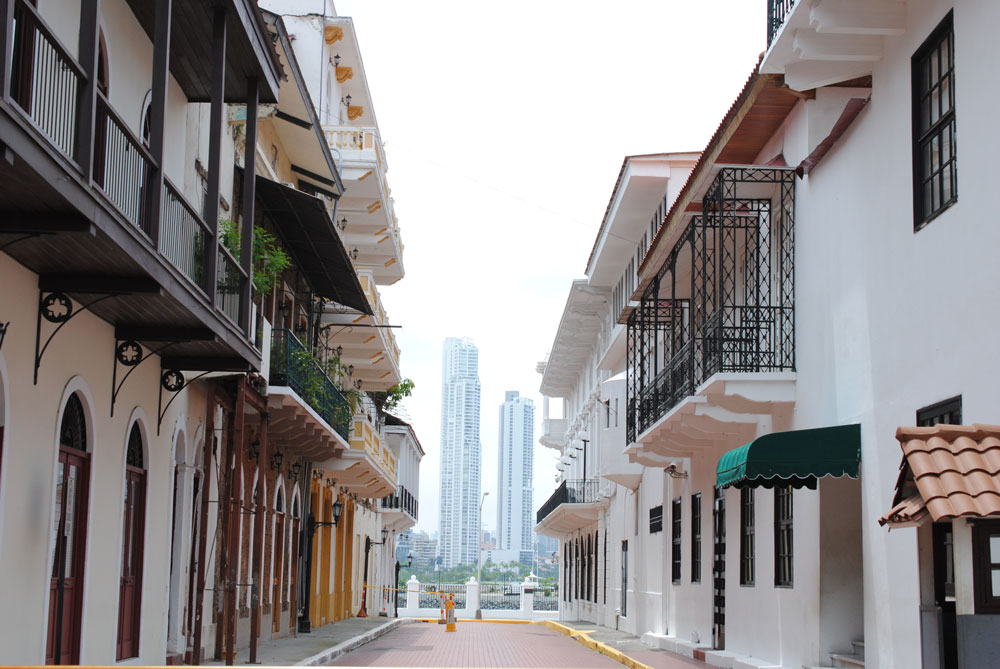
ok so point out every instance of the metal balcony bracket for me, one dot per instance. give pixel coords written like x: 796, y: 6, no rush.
x: 56, y: 308
x: 30, y: 235
x: 173, y: 381
x: 129, y: 354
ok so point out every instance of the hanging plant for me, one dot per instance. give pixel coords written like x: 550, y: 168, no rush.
x: 269, y: 259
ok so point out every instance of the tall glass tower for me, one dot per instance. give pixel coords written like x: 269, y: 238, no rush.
x: 514, y: 479
x: 461, y: 450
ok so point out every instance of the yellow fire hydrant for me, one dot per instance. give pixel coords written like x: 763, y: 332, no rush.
x: 450, y: 609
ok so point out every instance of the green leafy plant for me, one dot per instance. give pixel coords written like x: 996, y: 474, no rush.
x: 318, y: 390
x: 387, y: 400
x: 268, y: 259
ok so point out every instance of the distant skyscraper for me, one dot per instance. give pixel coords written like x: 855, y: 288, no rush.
x: 516, y: 446
x: 458, y: 522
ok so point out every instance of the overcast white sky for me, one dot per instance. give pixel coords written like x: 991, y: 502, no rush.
x: 505, y: 127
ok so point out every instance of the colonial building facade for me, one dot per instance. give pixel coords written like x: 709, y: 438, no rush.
x: 780, y: 346
x: 168, y: 226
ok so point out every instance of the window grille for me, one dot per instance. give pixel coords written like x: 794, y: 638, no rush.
x: 656, y: 519
x: 696, y: 538
x: 783, y: 536
x: 746, y: 537
x: 675, y: 531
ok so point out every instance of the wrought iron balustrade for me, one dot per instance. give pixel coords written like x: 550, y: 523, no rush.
x: 546, y: 599
x: 777, y: 12
x: 184, y: 237
x: 403, y: 500
x: 570, y: 491
x: 723, y: 301
x: 500, y: 596
x: 292, y: 365
x: 45, y: 80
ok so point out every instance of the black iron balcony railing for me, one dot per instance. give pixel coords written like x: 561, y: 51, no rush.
x: 293, y: 365
x: 184, y: 236
x: 777, y: 12
x: 571, y: 491
x: 403, y: 500
x: 723, y: 301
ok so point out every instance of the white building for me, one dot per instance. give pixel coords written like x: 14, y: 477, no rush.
x: 799, y: 310
x: 461, y: 453
x: 515, y: 476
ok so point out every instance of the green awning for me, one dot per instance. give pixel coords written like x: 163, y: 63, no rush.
x: 796, y: 458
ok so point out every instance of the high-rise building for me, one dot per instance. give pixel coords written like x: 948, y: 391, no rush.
x: 515, y: 472
x: 461, y: 449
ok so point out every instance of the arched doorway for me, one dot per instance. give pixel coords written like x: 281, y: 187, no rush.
x: 69, y: 538
x: 133, y: 531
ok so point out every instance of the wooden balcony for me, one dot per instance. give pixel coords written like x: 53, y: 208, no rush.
x: 86, y: 205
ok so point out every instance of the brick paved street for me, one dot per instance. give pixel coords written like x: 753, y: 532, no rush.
x: 475, y: 645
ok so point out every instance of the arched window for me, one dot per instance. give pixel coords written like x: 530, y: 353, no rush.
x: 133, y: 530
x: 69, y: 537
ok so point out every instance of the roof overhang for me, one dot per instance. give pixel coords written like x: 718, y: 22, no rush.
x: 306, y: 229
x: 751, y: 121
x: 796, y: 458
x: 295, y: 427
x: 948, y: 471
x: 575, y: 338
x: 296, y: 122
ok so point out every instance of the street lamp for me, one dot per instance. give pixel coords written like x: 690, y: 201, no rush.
x: 409, y: 563
x: 479, y: 559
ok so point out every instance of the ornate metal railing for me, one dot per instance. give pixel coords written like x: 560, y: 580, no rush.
x: 403, y: 500
x: 500, y: 596
x: 546, y: 599
x: 45, y: 78
x: 571, y: 491
x: 777, y: 11
x: 293, y: 365
x: 723, y: 301
x: 123, y: 167
x: 184, y: 237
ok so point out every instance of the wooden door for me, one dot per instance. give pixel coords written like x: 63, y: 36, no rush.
x: 68, y: 546
x: 129, y: 602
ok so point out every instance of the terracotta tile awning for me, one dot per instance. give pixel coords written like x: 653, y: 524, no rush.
x: 948, y: 471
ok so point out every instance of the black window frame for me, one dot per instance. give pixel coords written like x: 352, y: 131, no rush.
x: 944, y: 127
x: 696, y: 537
x: 675, y: 540
x: 784, y: 538
x: 747, y: 537
x: 947, y: 411
x: 983, y: 566
x: 656, y: 519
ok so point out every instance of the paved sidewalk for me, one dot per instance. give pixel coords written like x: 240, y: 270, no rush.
x: 321, y: 645
x: 634, y: 647
x: 476, y: 644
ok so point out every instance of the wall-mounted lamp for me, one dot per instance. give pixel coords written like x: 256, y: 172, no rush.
x: 346, y: 101
x: 354, y: 253
x: 254, y: 449
x: 357, y: 384
x: 338, y: 508
x: 342, y: 224
x: 293, y: 471
x: 276, y: 459
x: 350, y: 370
x: 339, y: 351
x: 336, y: 60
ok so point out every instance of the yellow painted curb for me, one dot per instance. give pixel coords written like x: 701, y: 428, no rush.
x: 583, y: 637
x: 505, y: 621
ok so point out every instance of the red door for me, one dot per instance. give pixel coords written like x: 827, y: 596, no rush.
x: 69, y: 545
x: 131, y: 576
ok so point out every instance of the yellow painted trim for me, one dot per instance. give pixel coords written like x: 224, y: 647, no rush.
x: 354, y: 111
x: 374, y: 206
x: 582, y: 636
x: 360, y: 318
x: 368, y: 340
x: 365, y: 175
x: 390, y: 261
x: 344, y: 73
x: 380, y: 231
x: 383, y: 239
x: 484, y: 620
x: 386, y: 374
x: 374, y: 355
x: 333, y: 34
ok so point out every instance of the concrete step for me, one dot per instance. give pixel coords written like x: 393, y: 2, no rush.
x: 847, y: 661
x: 859, y: 648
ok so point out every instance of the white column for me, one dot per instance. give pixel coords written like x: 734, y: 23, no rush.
x: 527, y: 597
x: 471, y: 597
x: 412, y: 598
